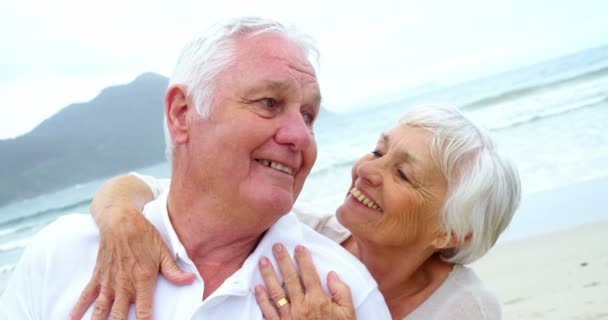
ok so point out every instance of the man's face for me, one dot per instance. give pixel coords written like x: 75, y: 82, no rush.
x: 256, y: 148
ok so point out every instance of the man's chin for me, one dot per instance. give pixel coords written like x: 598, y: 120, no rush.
x: 277, y: 204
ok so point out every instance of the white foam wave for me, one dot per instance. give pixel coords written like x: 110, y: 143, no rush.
x: 15, y: 244
x: 18, y: 228
x: 7, y: 268
x: 514, y: 121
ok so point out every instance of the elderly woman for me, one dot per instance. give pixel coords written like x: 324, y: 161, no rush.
x: 432, y: 196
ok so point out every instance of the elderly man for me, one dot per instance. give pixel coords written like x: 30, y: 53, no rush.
x: 239, y: 116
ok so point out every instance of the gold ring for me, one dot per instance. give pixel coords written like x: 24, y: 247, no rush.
x: 282, y: 302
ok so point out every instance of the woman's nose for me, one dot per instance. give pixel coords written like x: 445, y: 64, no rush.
x: 370, y: 172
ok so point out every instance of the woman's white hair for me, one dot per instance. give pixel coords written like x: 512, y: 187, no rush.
x: 208, y: 55
x: 484, y: 189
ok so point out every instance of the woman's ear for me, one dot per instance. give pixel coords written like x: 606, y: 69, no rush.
x: 176, y: 112
x: 444, y: 242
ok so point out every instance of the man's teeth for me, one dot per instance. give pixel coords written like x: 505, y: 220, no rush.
x: 276, y: 165
x: 363, y: 199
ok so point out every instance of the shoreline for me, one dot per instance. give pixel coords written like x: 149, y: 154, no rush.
x: 552, y: 262
x: 561, y: 208
x: 558, y: 275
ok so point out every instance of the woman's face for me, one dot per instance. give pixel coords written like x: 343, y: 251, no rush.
x: 396, y: 193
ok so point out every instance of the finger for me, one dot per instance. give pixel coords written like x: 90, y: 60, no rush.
x: 289, y: 272
x: 310, y: 277
x: 144, y: 299
x: 275, y: 291
x: 120, y: 307
x: 102, y: 305
x: 87, y: 297
x: 170, y: 270
x: 265, y: 304
x: 340, y: 291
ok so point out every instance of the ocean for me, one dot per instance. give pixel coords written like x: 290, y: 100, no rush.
x: 550, y: 118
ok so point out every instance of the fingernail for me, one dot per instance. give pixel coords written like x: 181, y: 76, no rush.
x: 258, y: 289
x: 277, y: 247
x: 300, y: 249
x: 334, y: 276
x: 263, y: 261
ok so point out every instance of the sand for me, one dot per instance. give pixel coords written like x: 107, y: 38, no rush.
x: 560, y: 274
x: 557, y: 275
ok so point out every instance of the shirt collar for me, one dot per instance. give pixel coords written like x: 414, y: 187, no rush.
x: 156, y: 212
x: 285, y: 231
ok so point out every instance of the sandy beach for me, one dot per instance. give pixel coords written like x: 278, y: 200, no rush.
x: 560, y: 275
x: 557, y: 275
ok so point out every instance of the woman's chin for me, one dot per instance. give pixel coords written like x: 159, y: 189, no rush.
x: 340, y: 214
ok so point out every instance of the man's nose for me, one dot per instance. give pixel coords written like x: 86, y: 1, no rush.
x: 295, y: 132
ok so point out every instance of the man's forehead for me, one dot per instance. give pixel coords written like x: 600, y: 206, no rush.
x: 272, y: 46
x: 283, y: 86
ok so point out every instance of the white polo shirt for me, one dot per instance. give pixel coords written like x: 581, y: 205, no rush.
x: 59, y: 262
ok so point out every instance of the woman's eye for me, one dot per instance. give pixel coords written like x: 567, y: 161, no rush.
x: 377, y: 153
x: 402, y: 175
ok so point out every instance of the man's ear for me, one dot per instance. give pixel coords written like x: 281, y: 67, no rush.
x: 176, y: 112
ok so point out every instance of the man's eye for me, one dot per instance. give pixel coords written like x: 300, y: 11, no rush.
x: 308, y: 117
x: 268, y: 102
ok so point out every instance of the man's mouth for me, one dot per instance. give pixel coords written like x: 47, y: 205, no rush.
x: 275, y: 165
x: 365, y: 200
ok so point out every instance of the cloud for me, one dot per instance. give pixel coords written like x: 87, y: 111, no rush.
x: 61, y: 47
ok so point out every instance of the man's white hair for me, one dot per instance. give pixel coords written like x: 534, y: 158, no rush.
x: 484, y: 189
x: 208, y: 55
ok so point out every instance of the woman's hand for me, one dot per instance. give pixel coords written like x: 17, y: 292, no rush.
x: 305, y: 298
x: 131, y: 253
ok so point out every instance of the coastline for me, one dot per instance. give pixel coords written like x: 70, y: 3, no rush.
x: 560, y: 208
x: 560, y: 274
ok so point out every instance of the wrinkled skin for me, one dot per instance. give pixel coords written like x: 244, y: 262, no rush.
x: 306, y: 295
x: 130, y: 258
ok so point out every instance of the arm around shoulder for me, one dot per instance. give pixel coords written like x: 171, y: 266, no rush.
x: 323, y: 223
x: 129, y: 248
x: 118, y: 197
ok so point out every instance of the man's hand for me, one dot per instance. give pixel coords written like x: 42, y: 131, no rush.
x: 306, y: 298
x: 131, y: 253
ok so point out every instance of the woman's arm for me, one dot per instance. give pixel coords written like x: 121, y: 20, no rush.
x: 128, y: 243
x: 127, y: 193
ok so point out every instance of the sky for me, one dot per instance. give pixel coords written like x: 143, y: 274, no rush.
x: 54, y: 53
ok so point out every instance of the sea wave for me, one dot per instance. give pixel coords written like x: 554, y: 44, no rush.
x: 7, y: 268
x: 517, y: 121
x: 15, y: 244
x: 332, y: 167
x: 537, y: 87
x: 18, y: 228
x: 21, y: 220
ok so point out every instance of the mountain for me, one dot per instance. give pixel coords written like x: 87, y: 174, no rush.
x: 119, y: 130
